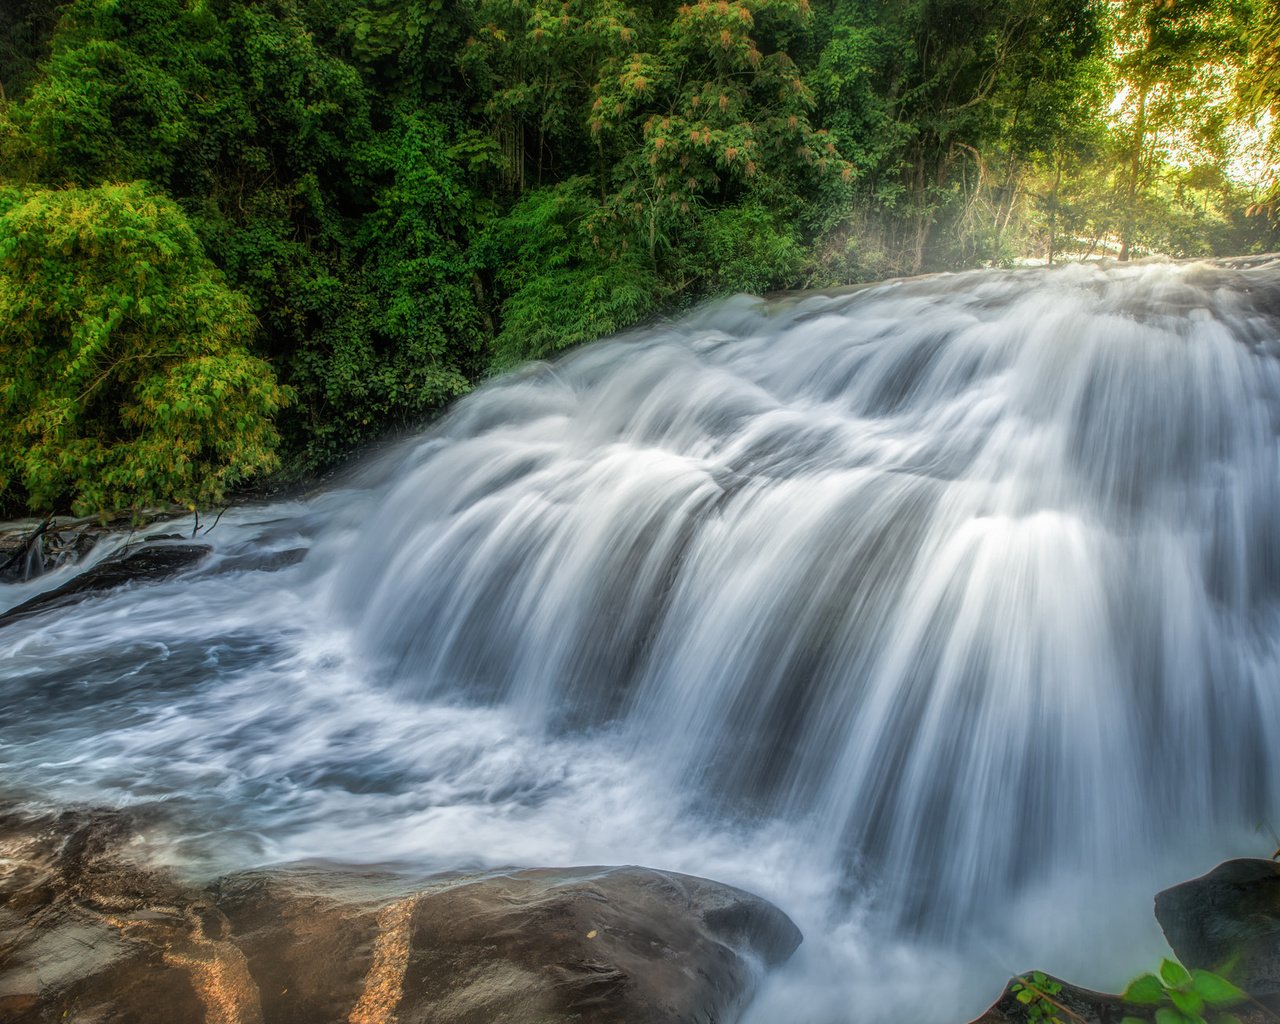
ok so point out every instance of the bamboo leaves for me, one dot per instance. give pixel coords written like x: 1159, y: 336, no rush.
x: 125, y: 357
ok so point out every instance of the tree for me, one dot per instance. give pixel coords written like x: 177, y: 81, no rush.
x: 1259, y: 94
x: 716, y: 112
x: 946, y: 107
x: 25, y: 29
x: 124, y: 364
x: 1176, y: 60
x: 409, y: 333
x: 344, y: 217
x: 689, y: 132
x: 558, y: 287
x: 532, y: 64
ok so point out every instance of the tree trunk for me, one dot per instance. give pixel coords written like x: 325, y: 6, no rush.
x: 1135, y: 169
x: 1053, y: 212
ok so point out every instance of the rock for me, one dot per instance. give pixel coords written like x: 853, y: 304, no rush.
x: 32, y: 547
x: 1227, y: 921
x: 72, y: 944
x: 260, y: 561
x: 1083, y: 1005
x: 145, y: 563
x: 92, y: 935
x: 1229, y: 916
x: 1076, y: 1005
x: 22, y: 550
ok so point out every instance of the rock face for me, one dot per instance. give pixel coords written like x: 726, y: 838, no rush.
x: 87, y: 935
x: 1229, y: 916
x: 146, y: 563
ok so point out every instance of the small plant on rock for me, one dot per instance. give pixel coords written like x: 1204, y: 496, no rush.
x: 1037, y: 993
x: 1183, y: 997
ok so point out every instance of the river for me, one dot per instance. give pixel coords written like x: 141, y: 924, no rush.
x: 943, y: 613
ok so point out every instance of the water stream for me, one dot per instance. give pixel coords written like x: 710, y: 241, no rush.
x: 945, y: 613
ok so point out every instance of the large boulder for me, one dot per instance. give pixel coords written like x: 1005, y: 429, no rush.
x: 93, y: 935
x: 1230, y: 918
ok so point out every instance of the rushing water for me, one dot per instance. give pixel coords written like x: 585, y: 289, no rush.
x: 943, y: 613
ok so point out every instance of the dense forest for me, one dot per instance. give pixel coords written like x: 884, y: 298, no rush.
x: 243, y: 237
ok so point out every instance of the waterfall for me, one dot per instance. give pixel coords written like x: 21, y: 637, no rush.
x: 939, y: 592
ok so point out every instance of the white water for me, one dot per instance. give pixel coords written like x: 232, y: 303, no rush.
x: 943, y: 614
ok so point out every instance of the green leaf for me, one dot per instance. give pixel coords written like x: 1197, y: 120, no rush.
x: 1146, y: 990
x: 1173, y: 973
x: 1215, y: 989
x: 1167, y: 1015
x: 1188, y: 1002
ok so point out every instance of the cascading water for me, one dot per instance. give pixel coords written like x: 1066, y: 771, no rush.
x: 943, y: 613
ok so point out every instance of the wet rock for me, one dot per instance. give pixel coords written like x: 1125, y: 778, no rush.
x: 93, y: 935
x: 1230, y: 916
x: 1227, y: 921
x: 76, y: 937
x: 1087, y: 1005
x: 29, y: 548
x: 1070, y: 1003
x: 259, y: 561
x: 150, y: 562
x: 22, y: 550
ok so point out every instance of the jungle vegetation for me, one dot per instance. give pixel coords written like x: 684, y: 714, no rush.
x: 237, y: 235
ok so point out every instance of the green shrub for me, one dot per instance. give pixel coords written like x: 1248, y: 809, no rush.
x: 125, y: 375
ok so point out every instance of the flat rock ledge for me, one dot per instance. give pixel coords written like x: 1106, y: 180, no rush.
x: 31, y: 547
x: 150, y: 561
x: 87, y: 934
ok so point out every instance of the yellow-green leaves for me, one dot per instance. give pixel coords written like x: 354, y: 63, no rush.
x: 124, y: 357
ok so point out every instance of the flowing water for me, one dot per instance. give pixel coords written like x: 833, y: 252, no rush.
x: 944, y: 614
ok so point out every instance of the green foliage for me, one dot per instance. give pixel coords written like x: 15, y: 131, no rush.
x: 1176, y: 61
x: 717, y: 102
x: 348, y: 236
x: 1183, y: 997
x: 26, y: 27
x: 743, y: 248
x: 533, y: 65
x: 407, y: 334
x: 559, y: 288
x: 124, y: 359
x: 1037, y: 993
x: 404, y: 48
x: 411, y: 193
